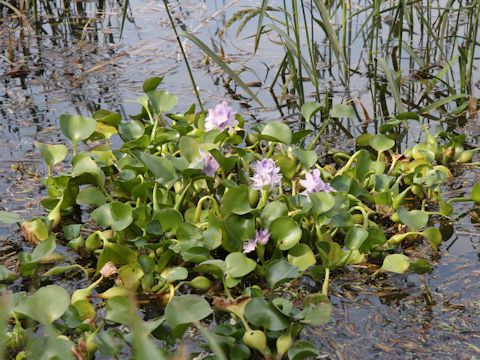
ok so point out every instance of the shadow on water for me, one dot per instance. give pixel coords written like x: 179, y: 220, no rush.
x: 71, y: 59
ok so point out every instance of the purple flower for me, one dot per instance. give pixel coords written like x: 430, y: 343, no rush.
x: 314, y: 183
x: 266, y: 174
x: 210, y: 164
x: 221, y: 117
x: 261, y: 237
x: 249, y: 246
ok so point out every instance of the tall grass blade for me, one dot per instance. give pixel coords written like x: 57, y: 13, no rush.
x: 330, y: 32
x: 261, y: 15
x: 291, y: 46
x: 442, y: 102
x: 222, y: 64
x: 190, y: 74
x: 124, y: 16
x: 392, y: 83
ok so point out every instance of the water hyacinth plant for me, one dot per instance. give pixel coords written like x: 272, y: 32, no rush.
x: 193, y: 213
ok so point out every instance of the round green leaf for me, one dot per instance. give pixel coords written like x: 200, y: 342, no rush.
x: 163, y: 169
x: 52, y: 154
x: 308, y: 158
x: 162, y: 100
x: 46, y: 305
x: 355, y: 237
x: 238, y: 265
x: 381, y: 143
x: 309, y: 109
x: 186, y: 309
x: 215, y: 267
x: 285, y: 232
x: 434, y: 236
x: 343, y: 111
x: 175, y: 274
x: 277, y: 131
x: 90, y: 196
x: 169, y: 218
x: 115, y: 215
x: 238, y: 229
x: 76, y: 127
x: 302, y: 350
x: 261, y: 313
x: 301, y: 256
x: 279, y: 271
x: 131, y: 130
x: 396, y: 263
x: 322, y: 202
x: 272, y: 211
x: 415, y: 219
x: 236, y: 201
x: 317, y: 309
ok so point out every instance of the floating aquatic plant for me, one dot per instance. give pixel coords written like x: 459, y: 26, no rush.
x: 194, y: 212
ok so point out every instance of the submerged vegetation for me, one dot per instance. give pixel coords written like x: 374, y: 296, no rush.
x: 201, y: 234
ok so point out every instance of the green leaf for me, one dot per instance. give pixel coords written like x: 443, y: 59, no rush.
x: 120, y: 310
x: 169, y: 218
x: 285, y: 232
x: 175, y: 274
x: 7, y: 217
x: 396, y: 263
x: 216, y: 267
x: 307, y: 158
x: 46, y: 305
x: 131, y: 130
x: 162, y: 100
x: 238, y: 265
x: 434, y: 236
x: 189, y: 148
x: 310, y: 109
x: 115, y: 214
x: 162, y: 169
x: 381, y: 143
x: 91, y: 196
x: 301, y: 256
x: 317, y: 309
x: 355, y: 237
x: 415, y: 219
x: 277, y: 131
x: 186, y: 309
x: 52, y: 154
x: 43, y: 249
x: 261, y: 313
x: 279, y: 271
x: 302, y: 350
x: 6, y: 275
x: 151, y: 83
x: 131, y: 274
x: 442, y: 102
x: 343, y: 111
x: 236, y: 201
x: 76, y: 127
x: 476, y: 193
x: 116, y: 253
x: 322, y: 202
x: 238, y: 229
x: 272, y: 211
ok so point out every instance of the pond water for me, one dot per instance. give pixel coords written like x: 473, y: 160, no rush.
x: 79, y: 64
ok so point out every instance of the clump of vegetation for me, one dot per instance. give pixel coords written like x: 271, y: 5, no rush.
x: 198, y: 215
